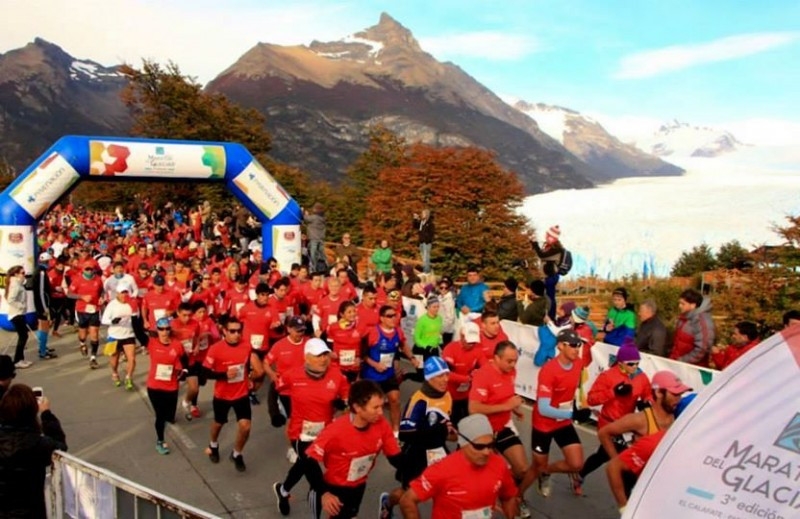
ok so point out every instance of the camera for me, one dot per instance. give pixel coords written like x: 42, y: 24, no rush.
x: 38, y: 393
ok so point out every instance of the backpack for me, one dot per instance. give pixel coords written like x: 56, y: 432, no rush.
x: 566, y: 263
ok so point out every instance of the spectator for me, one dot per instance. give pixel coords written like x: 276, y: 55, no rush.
x: 586, y: 330
x: 26, y: 448
x: 346, y: 248
x: 564, y: 314
x: 791, y: 318
x: 551, y: 254
x: 534, y: 305
x: 382, y: 257
x: 651, y: 337
x: 17, y: 300
x: 507, y: 306
x: 473, y: 296
x: 7, y: 373
x: 315, y: 225
x: 694, y: 331
x: 621, y: 320
x: 744, y: 338
x: 423, y: 224
x: 447, y: 309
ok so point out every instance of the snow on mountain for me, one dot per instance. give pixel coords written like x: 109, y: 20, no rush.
x: 551, y: 119
x: 90, y: 70
x: 678, y: 139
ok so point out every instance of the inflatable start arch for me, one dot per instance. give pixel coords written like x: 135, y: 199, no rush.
x: 99, y: 159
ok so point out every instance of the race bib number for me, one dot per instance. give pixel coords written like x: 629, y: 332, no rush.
x: 311, y: 430
x: 164, y: 372
x: 257, y: 341
x: 332, y: 319
x: 187, y: 345
x: 158, y: 314
x: 359, y: 467
x: 387, y: 359
x: 90, y: 309
x: 238, y: 373
x: 435, y: 455
x: 479, y: 513
x: 202, y: 343
x: 463, y: 387
x: 347, y: 357
x: 251, y: 294
x: 237, y: 307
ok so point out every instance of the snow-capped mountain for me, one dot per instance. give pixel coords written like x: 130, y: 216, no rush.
x: 586, y: 138
x: 678, y: 139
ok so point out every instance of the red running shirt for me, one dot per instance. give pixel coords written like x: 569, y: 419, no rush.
x: 490, y: 386
x: 462, y: 364
x: 312, y: 400
x: 87, y: 287
x: 346, y: 345
x: 285, y: 356
x: 165, y: 364
x: 349, y: 453
x: 636, y: 456
x: 256, y: 321
x: 559, y: 384
x: 458, y: 486
x: 222, y: 356
x: 158, y: 306
x: 186, y: 334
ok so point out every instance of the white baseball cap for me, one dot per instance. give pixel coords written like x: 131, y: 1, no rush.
x: 471, y: 333
x: 316, y: 347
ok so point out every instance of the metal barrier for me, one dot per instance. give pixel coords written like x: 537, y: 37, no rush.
x: 81, y: 490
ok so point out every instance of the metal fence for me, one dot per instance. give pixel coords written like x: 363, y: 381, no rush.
x: 80, y: 490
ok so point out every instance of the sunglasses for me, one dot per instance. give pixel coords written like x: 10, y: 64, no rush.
x: 632, y: 364
x: 478, y: 446
x: 389, y: 316
x: 576, y: 346
x: 164, y: 329
x: 237, y: 330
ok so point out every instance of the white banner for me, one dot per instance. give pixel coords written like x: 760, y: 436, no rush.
x: 45, y: 185
x: 262, y: 189
x: 735, y: 452
x: 154, y: 159
x: 286, y: 246
x: 414, y: 308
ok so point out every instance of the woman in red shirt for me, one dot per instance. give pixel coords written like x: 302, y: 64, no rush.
x: 168, y: 365
x: 346, y: 339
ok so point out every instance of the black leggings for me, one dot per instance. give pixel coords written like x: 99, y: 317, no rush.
x: 298, y: 470
x: 164, y: 404
x: 21, y: 328
x: 600, y: 457
x: 57, y: 309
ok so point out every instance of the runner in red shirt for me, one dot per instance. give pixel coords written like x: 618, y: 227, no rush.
x: 229, y: 362
x: 348, y: 448
x: 346, y: 338
x: 204, y: 292
x: 468, y: 482
x: 553, y: 414
x: 208, y: 332
x: 58, y: 297
x: 168, y: 365
x: 236, y: 298
x: 312, y: 291
x: 259, y: 320
x: 87, y: 290
x: 158, y: 303
x: 367, y: 310
x: 463, y: 357
x: 284, y: 356
x: 186, y: 331
x: 631, y: 462
x: 328, y: 307
x: 348, y: 291
x: 491, y: 333
x: 281, y: 306
x: 314, y: 390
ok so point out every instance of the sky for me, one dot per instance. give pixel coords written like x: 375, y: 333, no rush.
x: 630, y: 64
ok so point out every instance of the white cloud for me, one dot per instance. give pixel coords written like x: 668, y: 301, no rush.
x: 669, y: 59
x: 492, y: 45
x: 202, y: 37
x: 762, y: 131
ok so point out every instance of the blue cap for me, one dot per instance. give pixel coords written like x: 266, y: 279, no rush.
x: 434, y: 367
x: 163, y: 322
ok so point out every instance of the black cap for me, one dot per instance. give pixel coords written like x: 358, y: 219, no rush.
x: 570, y: 337
x: 159, y: 280
x: 297, y: 322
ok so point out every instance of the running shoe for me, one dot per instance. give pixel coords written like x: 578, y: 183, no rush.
x: 84, y: 350
x: 283, y: 501
x: 47, y: 356
x: 93, y: 363
x: 213, y: 453
x: 117, y: 382
x: 195, y: 412
x: 524, y: 510
x: 239, y: 462
x: 54, y: 333
x: 161, y: 447
x: 128, y: 384
x: 23, y: 364
x: 254, y: 399
x: 543, y: 485
x: 576, y: 483
x: 187, y: 410
x: 291, y: 456
x: 384, y: 508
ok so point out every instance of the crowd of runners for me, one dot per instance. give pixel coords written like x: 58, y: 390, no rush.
x: 325, y: 351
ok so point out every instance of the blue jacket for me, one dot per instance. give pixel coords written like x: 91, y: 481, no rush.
x: 471, y: 296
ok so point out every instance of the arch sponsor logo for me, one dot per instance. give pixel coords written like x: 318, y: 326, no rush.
x: 141, y: 159
x: 789, y: 438
x: 45, y: 184
x: 262, y: 189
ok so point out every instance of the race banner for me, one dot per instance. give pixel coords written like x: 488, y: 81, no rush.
x: 735, y: 451
x: 285, y: 245
x: 156, y: 159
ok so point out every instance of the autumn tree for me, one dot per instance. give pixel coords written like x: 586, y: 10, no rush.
x: 699, y: 259
x: 474, y: 202
x: 732, y: 255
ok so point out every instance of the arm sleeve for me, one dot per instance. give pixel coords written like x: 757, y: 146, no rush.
x: 551, y: 412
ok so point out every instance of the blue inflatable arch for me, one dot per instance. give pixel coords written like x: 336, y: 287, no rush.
x: 98, y: 159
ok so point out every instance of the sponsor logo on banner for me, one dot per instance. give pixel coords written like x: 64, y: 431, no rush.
x: 15, y: 237
x: 789, y: 439
x: 262, y: 189
x: 140, y: 159
x: 286, y: 245
x: 45, y: 185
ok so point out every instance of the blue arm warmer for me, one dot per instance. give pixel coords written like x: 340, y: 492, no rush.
x: 551, y: 412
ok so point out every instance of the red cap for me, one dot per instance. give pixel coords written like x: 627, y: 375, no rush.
x: 669, y: 381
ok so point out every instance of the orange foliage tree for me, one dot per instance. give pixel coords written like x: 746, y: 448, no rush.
x: 474, y: 203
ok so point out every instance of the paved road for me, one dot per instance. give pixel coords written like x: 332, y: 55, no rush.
x: 113, y: 428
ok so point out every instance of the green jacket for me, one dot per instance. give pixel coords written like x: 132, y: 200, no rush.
x: 428, y: 331
x: 382, y: 258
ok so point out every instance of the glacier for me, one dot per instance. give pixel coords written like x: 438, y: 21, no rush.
x: 640, y: 226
